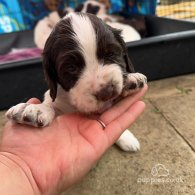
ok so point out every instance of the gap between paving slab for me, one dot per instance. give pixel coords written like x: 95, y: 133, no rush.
x: 175, y: 99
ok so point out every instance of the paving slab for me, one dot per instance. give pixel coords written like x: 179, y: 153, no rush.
x: 171, y: 87
x: 180, y: 112
x: 175, y: 99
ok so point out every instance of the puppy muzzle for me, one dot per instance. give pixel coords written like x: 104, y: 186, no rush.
x: 108, y: 92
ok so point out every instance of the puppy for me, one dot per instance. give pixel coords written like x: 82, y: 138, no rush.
x: 87, y: 68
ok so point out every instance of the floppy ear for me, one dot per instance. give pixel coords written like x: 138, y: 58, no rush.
x: 49, y: 71
x: 119, y: 38
x: 79, y: 8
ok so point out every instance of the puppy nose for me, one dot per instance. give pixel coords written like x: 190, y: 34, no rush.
x: 106, y: 93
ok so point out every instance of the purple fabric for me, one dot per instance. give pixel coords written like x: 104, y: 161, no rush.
x: 20, y: 54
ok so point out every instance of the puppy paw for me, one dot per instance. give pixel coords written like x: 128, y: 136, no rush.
x: 37, y: 115
x: 128, y: 142
x: 133, y: 83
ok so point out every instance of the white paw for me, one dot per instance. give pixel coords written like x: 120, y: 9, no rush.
x: 133, y: 83
x: 128, y: 142
x: 37, y: 115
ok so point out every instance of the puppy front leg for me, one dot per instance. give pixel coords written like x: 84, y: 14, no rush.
x: 37, y: 115
x: 133, y: 82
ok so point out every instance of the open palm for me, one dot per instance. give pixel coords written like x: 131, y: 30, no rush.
x: 62, y: 153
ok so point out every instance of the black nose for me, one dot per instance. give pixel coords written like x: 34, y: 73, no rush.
x: 106, y: 93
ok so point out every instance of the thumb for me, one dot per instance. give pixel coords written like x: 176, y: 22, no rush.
x: 34, y: 101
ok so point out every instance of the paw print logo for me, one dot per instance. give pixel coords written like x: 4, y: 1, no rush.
x: 160, y: 170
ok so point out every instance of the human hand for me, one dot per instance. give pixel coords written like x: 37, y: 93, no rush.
x: 61, y: 154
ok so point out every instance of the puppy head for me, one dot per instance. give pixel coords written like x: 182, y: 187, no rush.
x: 88, y: 59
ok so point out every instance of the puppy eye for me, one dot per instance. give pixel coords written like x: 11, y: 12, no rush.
x: 72, y: 69
x: 113, y: 51
x: 111, y: 54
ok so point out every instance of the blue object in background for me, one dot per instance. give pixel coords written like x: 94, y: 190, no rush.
x: 32, y: 11
x: 116, y: 6
x: 11, y: 18
x: 17, y: 15
x: 145, y: 7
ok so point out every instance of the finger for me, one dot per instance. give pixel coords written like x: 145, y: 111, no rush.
x: 121, y: 106
x: 101, y: 138
x: 116, y: 127
x: 34, y: 101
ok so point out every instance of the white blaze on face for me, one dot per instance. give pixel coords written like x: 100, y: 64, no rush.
x: 95, y: 75
x: 86, y: 38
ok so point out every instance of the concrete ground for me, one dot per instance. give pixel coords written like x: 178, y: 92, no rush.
x: 166, y: 163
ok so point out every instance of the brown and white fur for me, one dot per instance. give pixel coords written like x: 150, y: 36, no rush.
x: 87, y: 68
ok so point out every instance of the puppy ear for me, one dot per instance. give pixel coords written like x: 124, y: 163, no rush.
x: 79, y: 8
x: 119, y: 38
x: 50, y: 72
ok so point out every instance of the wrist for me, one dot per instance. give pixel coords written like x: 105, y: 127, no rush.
x: 16, y: 177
